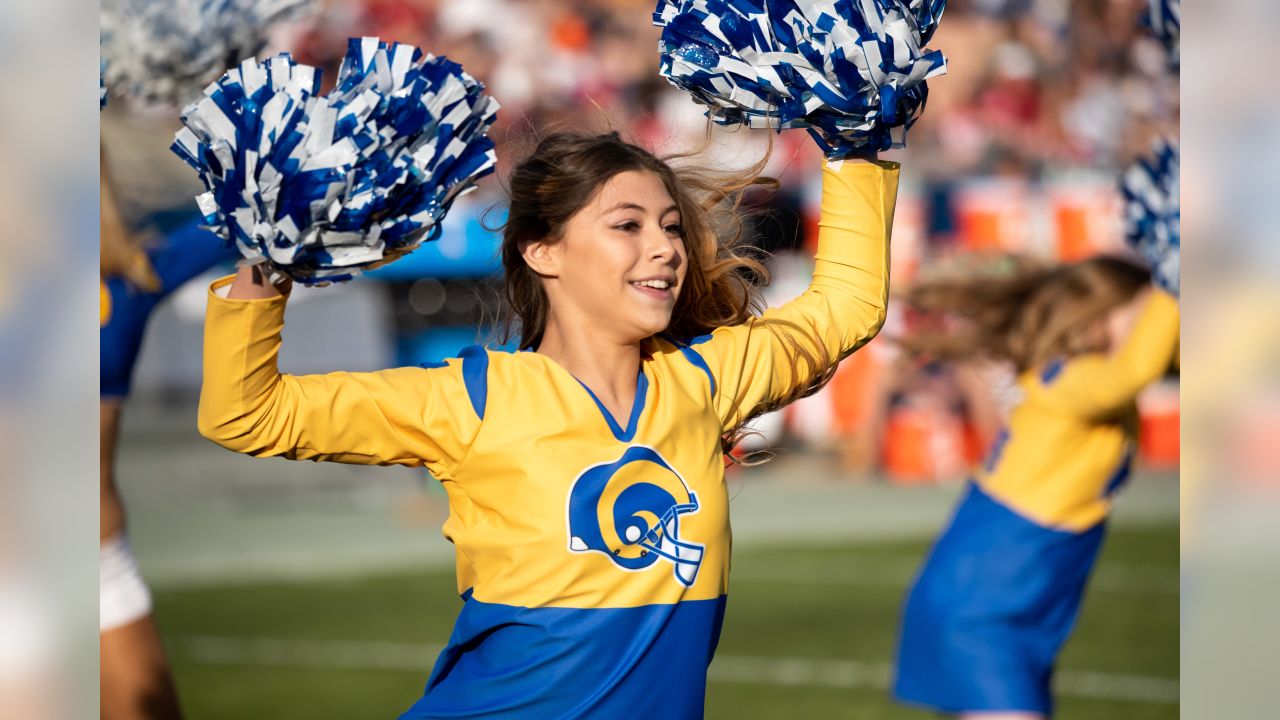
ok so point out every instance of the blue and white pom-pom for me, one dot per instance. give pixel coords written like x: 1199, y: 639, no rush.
x: 164, y: 52
x: 851, y: 71
x: 1153, y: 216
x: 1164, y: 19
x: 102, y: 85
x: 321, y: 187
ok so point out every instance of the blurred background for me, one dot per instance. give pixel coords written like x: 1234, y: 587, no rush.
x: 299, y: 590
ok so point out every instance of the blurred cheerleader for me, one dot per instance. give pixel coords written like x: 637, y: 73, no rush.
x: 160, y: 54
x: 1001, y: 589
x: 135, y: 678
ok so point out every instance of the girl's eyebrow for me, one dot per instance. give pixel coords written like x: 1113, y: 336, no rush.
x: 632, y: 206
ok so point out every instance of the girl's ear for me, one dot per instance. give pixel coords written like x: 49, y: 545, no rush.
x: 542, y: 257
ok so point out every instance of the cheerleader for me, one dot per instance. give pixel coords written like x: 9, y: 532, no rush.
x: 159, y: 55
x: 584, y: 472
x: 1000, y: 590
x: 135, y: 677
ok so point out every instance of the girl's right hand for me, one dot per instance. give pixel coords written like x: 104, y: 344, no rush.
x: 252, y: 283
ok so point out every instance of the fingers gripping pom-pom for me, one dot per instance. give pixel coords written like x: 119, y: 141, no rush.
x: 851, y: 71
x: 1153, y: 213
x: 164, y: 52
x: 322, y: 187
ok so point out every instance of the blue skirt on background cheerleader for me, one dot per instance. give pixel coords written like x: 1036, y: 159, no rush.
x: 991, y: 608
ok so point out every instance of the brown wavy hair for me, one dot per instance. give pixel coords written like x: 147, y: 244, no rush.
x: 1027, y: 314
x: 724, y: 277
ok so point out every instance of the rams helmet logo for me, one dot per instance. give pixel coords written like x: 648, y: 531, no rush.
x: 630, y: 510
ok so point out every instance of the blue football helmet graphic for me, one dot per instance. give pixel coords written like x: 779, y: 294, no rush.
x: 630, y: 510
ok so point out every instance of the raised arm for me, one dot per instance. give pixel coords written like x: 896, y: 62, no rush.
x: 1100, y: 385
x: 763, y: 360
x: 405, y: 416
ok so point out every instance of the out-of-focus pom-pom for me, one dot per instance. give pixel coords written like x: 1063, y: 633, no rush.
x: 102, y: 85
x: 164, y: 52
x: 851, y: 71
x: 322, y: 187
x: 1164, y: 19
x: 1153, y: 215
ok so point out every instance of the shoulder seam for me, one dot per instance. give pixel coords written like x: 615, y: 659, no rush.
x: 695, y: 358
x: 475, y: 376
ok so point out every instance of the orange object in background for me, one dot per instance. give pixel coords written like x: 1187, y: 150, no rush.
x: 570, y: 32
x: 1087, y: 221
x: 924, y: 445
x: 980, y: 229
x: 853, y: 387
x: 906, y: 448
x: 1072, y: 222
x: 1158, y: 433
x: 975, y: 446
x: 993, y: 216
x: 857, y: 392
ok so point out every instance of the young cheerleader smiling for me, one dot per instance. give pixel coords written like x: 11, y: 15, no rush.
x: 1000, y: 591
x: 585, y: 473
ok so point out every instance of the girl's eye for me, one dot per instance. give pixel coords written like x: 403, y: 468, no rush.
x: 675, y: 229
x: 628, y: 226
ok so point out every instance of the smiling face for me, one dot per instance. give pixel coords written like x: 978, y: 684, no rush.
x: 619, y: 263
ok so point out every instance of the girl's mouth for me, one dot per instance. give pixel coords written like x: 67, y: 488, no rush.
x: 658, y: 289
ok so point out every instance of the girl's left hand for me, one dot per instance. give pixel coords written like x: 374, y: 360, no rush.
x: 252, y: 283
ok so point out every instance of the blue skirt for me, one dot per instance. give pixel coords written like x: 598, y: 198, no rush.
x: 990, y: 610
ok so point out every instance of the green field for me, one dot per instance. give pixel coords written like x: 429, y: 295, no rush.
x: 809, y: 634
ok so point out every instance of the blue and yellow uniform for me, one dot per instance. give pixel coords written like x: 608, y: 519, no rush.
x: 125, y: 309
x: 592, y: 551
x: 1002, y: 586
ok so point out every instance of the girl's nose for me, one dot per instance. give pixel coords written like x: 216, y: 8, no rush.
x: 662, y: 247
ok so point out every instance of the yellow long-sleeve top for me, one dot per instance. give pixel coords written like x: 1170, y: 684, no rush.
x: 1069, y: 441
x: 553, y: 502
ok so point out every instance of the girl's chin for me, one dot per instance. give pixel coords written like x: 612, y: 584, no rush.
x: 633, y: 322
x: 646, y: 330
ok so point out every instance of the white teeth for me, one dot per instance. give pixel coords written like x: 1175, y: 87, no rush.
x: 658, y: 284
